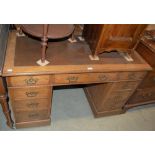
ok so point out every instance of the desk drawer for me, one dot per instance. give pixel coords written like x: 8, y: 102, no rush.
x: 33, y: 104
x: 131, y: 76
x: 116, y: 100
x: 28, y: 80
x: 20, y: 93
x: 84, y: 78
x: 125, y: 85
x: 25, y: 116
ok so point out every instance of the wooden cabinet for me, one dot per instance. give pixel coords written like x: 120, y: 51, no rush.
x: 110, y: 98
x: 31, y: 102
x: 145, y: 93
x: 108, y: 37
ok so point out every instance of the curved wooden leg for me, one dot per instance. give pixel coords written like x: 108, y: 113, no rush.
x: 6, y: 110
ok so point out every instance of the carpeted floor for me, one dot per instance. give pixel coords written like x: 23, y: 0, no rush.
x: 71, y: 111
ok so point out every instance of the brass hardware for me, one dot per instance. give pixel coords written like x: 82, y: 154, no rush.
x: 102, y: 77
x: 31, y: 81
x: 72, y: 79
x: 33, y: 115
x: 31, y: 94
x: 33, y: 105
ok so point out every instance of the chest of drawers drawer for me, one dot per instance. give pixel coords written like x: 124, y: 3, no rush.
x: 28, y: 80
x: 27, y: 116
x: 19, y: 93
x: 32, y: 104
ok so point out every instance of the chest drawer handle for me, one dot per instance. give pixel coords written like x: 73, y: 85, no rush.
x: 72, y: 79
x: 33, y: 115
x: 33, y: 105
x: 102, y: 77
x: 131, y: 76
x: 31, y: 81
x: 31, y: 94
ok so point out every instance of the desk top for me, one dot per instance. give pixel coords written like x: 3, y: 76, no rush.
x: 64, y: 57
x: 4, y: 31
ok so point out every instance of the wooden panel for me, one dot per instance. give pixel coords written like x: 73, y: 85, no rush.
x: 149, y: 81
x: 115, y: 100
x: 30, y: 92
x: 24, y: 116
x: 35, y: 104
x: 30, y: 124
x: 142, y: 96
x: 28, y: 80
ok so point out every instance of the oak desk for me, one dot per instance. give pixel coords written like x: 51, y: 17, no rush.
x: 30, y: 86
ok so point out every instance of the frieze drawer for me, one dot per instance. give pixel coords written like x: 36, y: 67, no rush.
x: 28, y: 80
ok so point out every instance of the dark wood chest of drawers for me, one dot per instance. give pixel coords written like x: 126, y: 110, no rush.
x: 145, y: 93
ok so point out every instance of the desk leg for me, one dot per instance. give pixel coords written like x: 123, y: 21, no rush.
x: 6, y: 110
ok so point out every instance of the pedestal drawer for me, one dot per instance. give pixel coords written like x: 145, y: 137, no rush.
x: 19, y: 93
x: 115, y: 100
x: 25, y: 116
x: 28, y: 80
x: 32, y: 104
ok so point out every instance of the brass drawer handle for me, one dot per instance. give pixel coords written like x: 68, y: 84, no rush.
x: 31, y: 94
x: 31, y: 81
x: 131, y: 76
x: 33, y: 105
x: 33, y: 115
x: 102, y: 77
x: 72, y: 79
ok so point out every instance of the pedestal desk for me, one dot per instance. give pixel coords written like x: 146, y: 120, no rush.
x: 108, y: 82
x: 4, y: 31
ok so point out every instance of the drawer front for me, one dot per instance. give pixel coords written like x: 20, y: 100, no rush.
x: 116, y: 100
x: 131, y: 76
x: 126, y: 85
x: 28, y: 80
x: 33, y: 104
x: 29, y: 92
x: 84, y: 78
x: 148, y: 81
x: 26, y: 116
x: 142, y: 95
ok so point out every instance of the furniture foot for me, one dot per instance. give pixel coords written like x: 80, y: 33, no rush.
x: 94, y: 57
x: 126, y: 56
